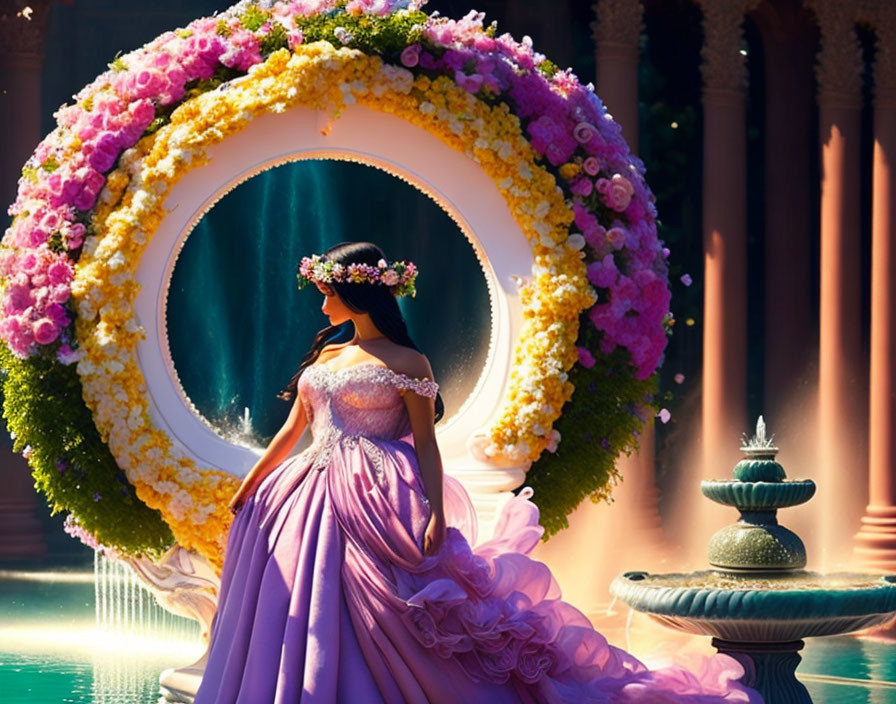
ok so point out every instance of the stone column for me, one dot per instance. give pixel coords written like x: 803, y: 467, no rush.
x: 23, y: 26
x: 617, y: 32
x: 875, y: 544
x: 22, y: 32
x: 841, y: 394
x: 788, y: 40
x: 724, y: 236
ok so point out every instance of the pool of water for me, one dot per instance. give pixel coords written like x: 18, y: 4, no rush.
x: 52, y: 651
x: 55, y: 648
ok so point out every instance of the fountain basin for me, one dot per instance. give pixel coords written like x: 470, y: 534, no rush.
x: 758, y: 496
x: 761, y: 609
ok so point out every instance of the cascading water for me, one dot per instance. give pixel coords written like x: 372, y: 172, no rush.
x: 125, y: 609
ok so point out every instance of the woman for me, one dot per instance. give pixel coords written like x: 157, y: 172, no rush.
x: 348, y: 574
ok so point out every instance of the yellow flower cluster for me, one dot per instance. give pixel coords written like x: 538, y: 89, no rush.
x: 559, y: 291
x: 193, y: 500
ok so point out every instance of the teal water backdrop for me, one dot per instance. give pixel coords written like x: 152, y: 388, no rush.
x: 237, y: 324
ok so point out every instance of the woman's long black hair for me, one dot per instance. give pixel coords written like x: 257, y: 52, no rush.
x: 375, y: 299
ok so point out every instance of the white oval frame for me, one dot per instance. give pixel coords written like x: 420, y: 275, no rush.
x: 454, y: 180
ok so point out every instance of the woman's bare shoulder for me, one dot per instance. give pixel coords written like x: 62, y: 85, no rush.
x: 409, y: 362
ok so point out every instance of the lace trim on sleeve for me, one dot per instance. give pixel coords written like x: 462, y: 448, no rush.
x: 423, y: 387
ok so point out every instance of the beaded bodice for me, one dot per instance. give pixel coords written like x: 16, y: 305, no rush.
x: 360, y: 401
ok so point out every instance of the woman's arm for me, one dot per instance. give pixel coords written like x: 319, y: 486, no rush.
x: 276, y: 452
x: 421, y: 412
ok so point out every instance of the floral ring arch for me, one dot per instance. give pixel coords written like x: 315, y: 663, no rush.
x: 95, y: 203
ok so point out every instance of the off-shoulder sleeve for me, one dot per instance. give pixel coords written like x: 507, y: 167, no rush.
x: 423, y: 387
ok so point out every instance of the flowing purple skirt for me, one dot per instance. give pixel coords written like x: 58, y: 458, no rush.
x: 326, y: 598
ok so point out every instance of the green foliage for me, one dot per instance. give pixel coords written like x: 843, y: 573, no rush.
x: 158, y: 123
x: 385, y: 36
x: 548, y: 68
x: 598, y: 424
x: 274, y: 40
x: 50, y: 165
x: 202, y: 85
x: 70, y: 463
x: 253, y: 18
x: 118, y: 65
x: 56, y: 244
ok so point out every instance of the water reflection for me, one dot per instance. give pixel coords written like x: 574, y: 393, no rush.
x: 111, y: 678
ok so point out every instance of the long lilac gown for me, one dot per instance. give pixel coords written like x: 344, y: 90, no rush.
x: 326, y: 597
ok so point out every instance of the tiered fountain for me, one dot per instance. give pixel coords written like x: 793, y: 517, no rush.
x: 758, y: 602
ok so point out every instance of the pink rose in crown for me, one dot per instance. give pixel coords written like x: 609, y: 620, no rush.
x: 29, y: 263
x: 57, y: 315
x: 390, y: 278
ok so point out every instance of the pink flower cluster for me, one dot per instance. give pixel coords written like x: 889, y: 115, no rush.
x: 568, y: 124
x: 76, y: 530
x: 38, y: 283
x: 66, y: 173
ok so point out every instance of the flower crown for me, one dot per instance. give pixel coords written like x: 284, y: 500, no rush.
x: 398, y: 276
